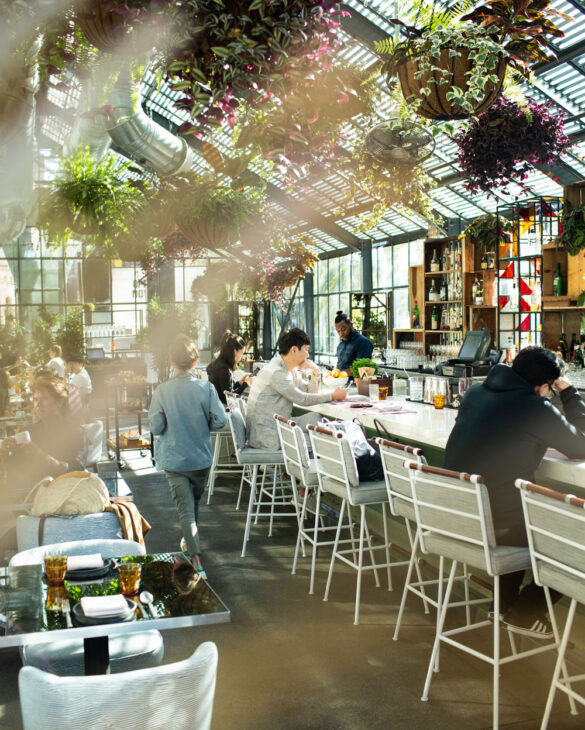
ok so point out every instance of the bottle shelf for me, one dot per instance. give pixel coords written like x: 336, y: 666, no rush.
x: 443, y: 301
x: 442, y: 273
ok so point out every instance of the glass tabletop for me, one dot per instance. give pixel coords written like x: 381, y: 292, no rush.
x: 32, y: 611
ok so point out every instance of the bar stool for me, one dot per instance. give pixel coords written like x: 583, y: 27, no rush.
x: 300, y: 467
x: 222, y: 442
x: 555, y: 524
x: 454, y: 521
x: 236, y: 402
x: 337, y: 473
x: 401, y: 500
x: 255, y: 458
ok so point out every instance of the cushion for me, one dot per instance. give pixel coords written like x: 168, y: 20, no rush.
x: 248, y: 455
x: 505, y: 558
x: 65, y: 528
x: 238, y: 426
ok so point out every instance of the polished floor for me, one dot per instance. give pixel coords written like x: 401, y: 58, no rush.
x: 289, y: 661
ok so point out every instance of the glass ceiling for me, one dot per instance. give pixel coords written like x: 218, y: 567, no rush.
x: 312, y: 208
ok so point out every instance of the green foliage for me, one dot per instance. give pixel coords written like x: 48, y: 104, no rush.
x: 164, y: 323
x: 69, y: 332
x: 42, y: 335
x: 89, y: 198
x: 489, y: 230
x: 573, y: 235
x: 362, y: 362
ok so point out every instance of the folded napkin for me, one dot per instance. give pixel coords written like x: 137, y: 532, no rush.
x: 96, y: 606
x: 84, y: 562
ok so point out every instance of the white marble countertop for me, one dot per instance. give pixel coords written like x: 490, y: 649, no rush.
x: 425, y: 425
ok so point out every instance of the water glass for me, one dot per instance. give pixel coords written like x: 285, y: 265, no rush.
x: 55, y: 568
x: 129, y: 578
x: 415, y: 388
x: 374, y: 393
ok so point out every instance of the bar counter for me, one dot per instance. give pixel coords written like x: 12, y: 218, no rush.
x: 430, y: 428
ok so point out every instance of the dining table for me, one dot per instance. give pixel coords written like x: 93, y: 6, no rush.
x: 31, y: 611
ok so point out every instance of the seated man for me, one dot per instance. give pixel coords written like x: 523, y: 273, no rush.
x: 502, y: 431
x: 80, y: 377
x: 278, y: 386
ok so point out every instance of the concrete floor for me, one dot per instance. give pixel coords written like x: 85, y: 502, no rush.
x: 289, y: 661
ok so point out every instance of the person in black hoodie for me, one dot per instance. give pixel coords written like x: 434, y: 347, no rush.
x: 221, y: 370
x: 503, y: 429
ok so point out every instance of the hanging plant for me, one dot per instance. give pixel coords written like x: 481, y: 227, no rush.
x: 503, y: 143
x: 90, y: 198
x: 573, y: 229
x: 215, y: 52
x: 386, y: 185
x: 452, y: 64
x: 303, y: 129
x: 211, y: 215
x: 488, y: 231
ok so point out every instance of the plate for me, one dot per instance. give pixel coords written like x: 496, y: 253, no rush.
x: 91, y: 573
x: 81, y: 619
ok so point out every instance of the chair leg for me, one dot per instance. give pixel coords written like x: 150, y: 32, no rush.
x: 564, y: 672
x: 335, y: 546
x: 214, y: 463
x: 358, y: 588
x: 439, y: 603
x: 466, y: 590
x: 250, y: 508
x: 496, y: 664
x: 414, y: 550
x: 365, y: 529
x: 411, y: 564
x: 260, y: 493
x: 440, y: 624
x: 300, y: 520
x: 272, y: 500
x: 560, y: 663
x: 387, y: 547
x: 315, y: 541
x: 245, y: 472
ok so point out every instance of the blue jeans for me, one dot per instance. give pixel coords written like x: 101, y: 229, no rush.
x: 186, y: 490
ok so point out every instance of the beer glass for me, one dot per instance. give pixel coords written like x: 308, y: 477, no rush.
x: 55, y: 568
x: 129, y: 578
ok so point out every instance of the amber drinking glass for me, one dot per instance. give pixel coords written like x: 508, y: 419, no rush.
x: 382, y: 392
x: 129, y: 578
x: 55, y: 568
x: 439, y: 400
x: 55, y: 597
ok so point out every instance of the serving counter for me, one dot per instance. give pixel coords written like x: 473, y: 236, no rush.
x: 422, y: 424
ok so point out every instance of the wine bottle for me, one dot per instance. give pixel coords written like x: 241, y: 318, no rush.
x: 435, y: 319
x: 433, y: 293
x: 415, y: 315
x: 443, y: 290
x: 484, y: 261
x: 435, y: 263
x: 558, y: 283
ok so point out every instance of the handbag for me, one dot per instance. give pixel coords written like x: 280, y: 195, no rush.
x: 367, y: 457
x: 74, y: 493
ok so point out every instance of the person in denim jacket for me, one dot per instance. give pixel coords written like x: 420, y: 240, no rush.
x: 182, y: 413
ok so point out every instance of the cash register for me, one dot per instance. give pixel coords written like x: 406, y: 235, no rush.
x: 475, y: 357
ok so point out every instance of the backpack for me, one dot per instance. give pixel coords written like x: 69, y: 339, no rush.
x: 74, y: 493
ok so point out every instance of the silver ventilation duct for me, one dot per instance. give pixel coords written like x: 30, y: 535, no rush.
x: 142, y: 138
x: 90, y: 132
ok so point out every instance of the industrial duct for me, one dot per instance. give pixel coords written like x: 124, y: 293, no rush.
x: 142, y: 138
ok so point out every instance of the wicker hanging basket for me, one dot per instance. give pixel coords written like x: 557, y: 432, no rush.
x: 206, y: 233
x: 435, y: 105
x: 103, y: 28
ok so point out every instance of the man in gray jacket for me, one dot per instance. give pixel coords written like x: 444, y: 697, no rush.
x: 278, y: 386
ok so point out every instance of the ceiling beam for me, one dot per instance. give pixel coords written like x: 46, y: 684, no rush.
x: 564, y: 56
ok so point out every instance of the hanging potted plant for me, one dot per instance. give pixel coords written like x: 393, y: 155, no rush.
x: 452, y: 65
x: 573, y: 229
x: 503, y: 143
x: 248, y: 49
x: 302, y: 130
x: 489, y: 232
x: 211, y: 215
x: 90, y: 198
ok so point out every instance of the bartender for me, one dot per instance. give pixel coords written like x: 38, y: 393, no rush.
x: 353, y: 344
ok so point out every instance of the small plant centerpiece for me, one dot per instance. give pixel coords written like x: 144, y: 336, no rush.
x: 363, y: 362
x: 91, y: 199
x: 503, y: 143
x: 488, y: 231
x: 452, y: 65
x: 573, y: 235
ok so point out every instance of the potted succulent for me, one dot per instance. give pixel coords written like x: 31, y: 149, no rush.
x: 452, y: 65
x: 90, y: 198
x: 503, y: 143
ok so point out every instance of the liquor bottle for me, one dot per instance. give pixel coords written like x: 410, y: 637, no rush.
x: 484, y: 261
x: 474, y: 288
x: 448, y: 264
x: 444, y: 318
x: 573, y: 347
x: 558, y: 283
x: 479, y: 295
x: 443, y: 290
x: 435, y: 319
x: 435, y: 263
x: 415, y: 315
x: 564, y: 345
x: 442, y: 260
x: 433, y: 293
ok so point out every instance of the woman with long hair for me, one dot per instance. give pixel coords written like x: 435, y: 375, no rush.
x: 221, y: 370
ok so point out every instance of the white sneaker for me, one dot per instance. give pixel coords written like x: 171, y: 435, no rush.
x: 183, y: 545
